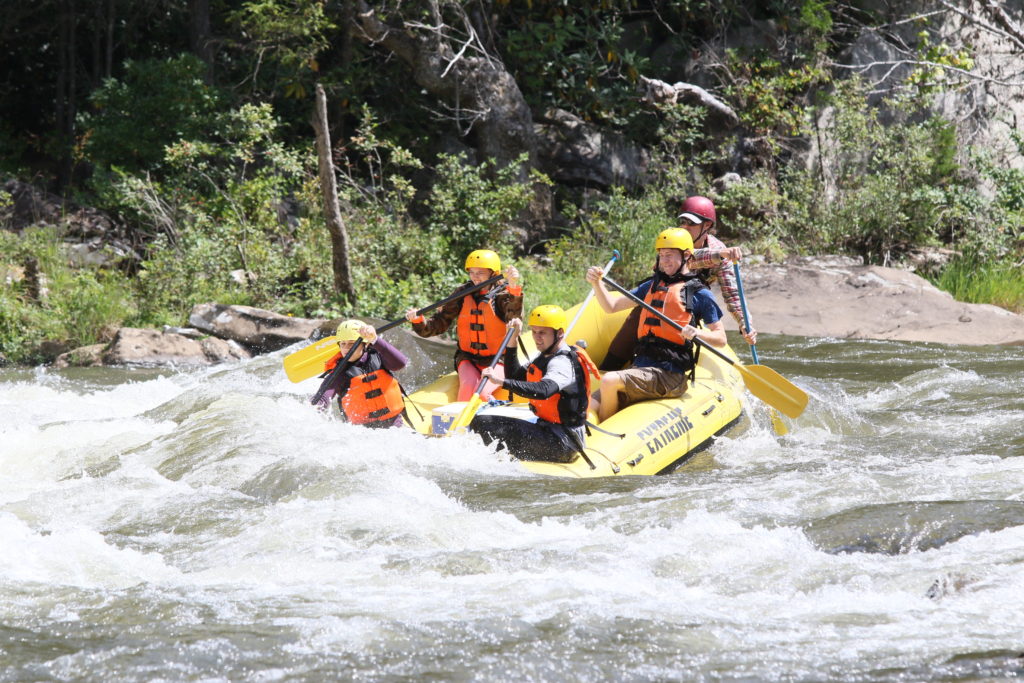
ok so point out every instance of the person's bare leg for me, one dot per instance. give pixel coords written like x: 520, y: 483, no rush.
x: 611, y: 384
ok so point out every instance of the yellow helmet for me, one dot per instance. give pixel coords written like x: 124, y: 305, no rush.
x: 548, y: 316
x: 349, y: 330
x: 484, y: 258
x: 674, y: 238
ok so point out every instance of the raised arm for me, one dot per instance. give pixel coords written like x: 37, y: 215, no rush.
x: 604, y: 299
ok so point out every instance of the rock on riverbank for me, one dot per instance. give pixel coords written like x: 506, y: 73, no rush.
x: 837, y: 297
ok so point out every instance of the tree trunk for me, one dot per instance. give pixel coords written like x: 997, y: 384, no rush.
x: 66, y: 87
x: 199, y: 34
x: 329, y: 192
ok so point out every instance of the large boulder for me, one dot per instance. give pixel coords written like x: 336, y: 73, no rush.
x: 82, y: 357
x: 576, y: 153
x: 837, y: 297
x: 258, y: 330
x: 132, y: 346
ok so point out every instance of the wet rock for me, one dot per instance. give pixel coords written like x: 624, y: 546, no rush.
x: 132, y: 346
x: 898, y: 528
x: 258, y: 330
x: 82, y: 357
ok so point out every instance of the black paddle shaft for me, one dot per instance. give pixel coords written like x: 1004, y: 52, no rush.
x: 496, y: 359
x: 671, y: 322
x: 345, y: 362
x: 437, y: 304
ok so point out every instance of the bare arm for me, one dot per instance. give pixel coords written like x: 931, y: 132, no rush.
x: 603, y: 296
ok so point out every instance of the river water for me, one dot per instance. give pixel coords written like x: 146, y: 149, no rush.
x: 209, y: 525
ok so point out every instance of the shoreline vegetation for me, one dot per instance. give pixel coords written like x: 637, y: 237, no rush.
x: 171, y: 185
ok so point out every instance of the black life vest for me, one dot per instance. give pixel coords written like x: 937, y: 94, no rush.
x: 569, y: 406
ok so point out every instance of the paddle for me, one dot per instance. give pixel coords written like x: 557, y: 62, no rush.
x: 777, y: 423
x: 469, y: 412
x: 615, y: 257
x: 343, y: 363
x: 761, y: 381
x: 309, y: 361
x: 576, y: 318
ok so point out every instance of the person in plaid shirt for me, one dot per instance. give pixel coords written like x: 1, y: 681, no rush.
x: 697, y: 215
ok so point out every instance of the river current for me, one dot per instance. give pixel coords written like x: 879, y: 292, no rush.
x: 210, y: 525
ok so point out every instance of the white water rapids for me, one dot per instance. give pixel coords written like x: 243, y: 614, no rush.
x: 210, y: 525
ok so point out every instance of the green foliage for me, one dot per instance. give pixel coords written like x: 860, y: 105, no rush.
x: 680, y: 146
x: 882, y: 187
x: 816, y: 18
x: 977, y: 279
x: 768, y: 93
x: 75, y: 308
x: 473, y: 207
x: 629, y: 224
x: 939, y: 66
x: 214, y: 213
x: 1008, y: 183
x: 769, y: 87
x: 290, y: 34
x: 574, y: 59
x: 154, y: 104
x: 544, y: 284
x: 6, y: 208
x: 401, y: 264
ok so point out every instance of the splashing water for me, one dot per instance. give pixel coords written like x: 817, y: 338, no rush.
x: 210, y: 524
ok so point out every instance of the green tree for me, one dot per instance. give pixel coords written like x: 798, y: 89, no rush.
x: 156, y: 103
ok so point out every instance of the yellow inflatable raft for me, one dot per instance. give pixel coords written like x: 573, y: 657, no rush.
x: 656, y: 436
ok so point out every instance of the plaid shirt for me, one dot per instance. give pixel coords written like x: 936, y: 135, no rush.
x: 707, y: 258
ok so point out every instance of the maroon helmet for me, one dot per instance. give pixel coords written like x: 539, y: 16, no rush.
x: 697, y: 209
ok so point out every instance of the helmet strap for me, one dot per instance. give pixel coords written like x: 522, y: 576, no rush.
x: 559, y: 336
x: 704, y: 232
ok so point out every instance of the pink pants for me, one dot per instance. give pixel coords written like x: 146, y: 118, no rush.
x: 469, y: 379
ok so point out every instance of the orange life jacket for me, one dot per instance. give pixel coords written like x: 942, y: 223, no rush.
x: 658, y: 340
x: 568, y: 408
x: 480, y: 329
x: 668, y: 299
x: 373, y: 393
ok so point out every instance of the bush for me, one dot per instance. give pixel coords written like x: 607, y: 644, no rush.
x: 76, y: 308
x: 876, y: 189
x: 155, y: 103
x: 975, y: 279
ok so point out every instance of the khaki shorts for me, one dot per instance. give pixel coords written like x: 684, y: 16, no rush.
x: 642, y: 384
